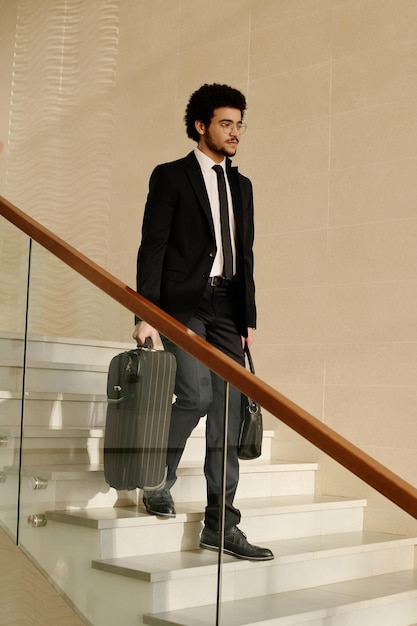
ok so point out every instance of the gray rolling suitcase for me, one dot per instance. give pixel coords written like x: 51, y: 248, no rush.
x: 140, y: 387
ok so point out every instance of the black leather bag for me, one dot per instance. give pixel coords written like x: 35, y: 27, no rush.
x: 251, y: 433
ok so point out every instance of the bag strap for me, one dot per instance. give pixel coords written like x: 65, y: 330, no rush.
x: 253, y: 406
x: 249, y: 357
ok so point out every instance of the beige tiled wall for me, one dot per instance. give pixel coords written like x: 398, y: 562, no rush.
x: 331, y: 150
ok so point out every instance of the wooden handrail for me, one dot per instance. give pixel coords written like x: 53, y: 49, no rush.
x: 326, y: 439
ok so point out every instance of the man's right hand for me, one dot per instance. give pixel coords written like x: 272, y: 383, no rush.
x: 144, y: 330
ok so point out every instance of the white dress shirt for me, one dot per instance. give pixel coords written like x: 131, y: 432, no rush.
x: 210, y: 180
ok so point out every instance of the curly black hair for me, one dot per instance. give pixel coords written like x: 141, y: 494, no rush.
x: 205, y: 100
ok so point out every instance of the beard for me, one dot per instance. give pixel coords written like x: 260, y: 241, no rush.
x: 219, y: 149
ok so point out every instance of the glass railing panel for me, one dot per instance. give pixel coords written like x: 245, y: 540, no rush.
x: 81, y: 531
x: 103, y: 550
x: 14, y: 254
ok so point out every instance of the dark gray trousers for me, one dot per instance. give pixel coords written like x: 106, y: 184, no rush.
x: 200, y: 392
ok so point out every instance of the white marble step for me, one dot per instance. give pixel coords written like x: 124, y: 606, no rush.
x: 38, y: 434
x: 68, y: 486
x: 79, y: 485
x: 52, y: 446
x: 187, y: 579
x: 52, y: 410
x: 45, y: 432
x: 384, y: 600
x: 130, y: 530
x: 54, y: 376
x: 61, y: 349
x: 55, y: 443
x: 258, y: 479
x: 57, y: 365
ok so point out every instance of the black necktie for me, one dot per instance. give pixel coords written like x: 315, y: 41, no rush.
x: 224, y: 223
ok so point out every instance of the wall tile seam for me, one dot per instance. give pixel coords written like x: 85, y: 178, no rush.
x: 301, y: 120
x: 381, y: 342
x: 387, y: 221
x: 329, y: 345
x: 293, y: 232
x: 252, y: 131
x: 369, y: 385
x: 372, y: 163
x: 310, y: 287
x: 292, y: 70
x: 371, y: 51
x: 326, y: 284
x: 222, y: 41
x: 291, y: 344
x: 376, y: 49
x: 295, y: 18
x: 370, y: 107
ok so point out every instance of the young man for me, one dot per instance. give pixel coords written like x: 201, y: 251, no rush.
x: 195, y: 262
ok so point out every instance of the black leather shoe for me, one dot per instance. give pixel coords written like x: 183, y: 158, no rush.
x: 236, y: 544
x: 159, y: 503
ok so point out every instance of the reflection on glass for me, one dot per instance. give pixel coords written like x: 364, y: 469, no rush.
x: 14, y: 248
x: 104, y: 548
x: 81, y: 517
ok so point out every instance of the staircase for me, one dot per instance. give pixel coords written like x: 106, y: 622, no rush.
x: 118, y: 565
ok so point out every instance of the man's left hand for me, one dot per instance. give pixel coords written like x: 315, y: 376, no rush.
x: 249, y: 339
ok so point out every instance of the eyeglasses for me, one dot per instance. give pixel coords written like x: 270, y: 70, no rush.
x: 227, y: 127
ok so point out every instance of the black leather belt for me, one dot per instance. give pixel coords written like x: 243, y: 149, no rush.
x: 218, y: 281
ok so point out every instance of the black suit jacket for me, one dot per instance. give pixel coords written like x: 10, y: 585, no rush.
x: 178, y: 244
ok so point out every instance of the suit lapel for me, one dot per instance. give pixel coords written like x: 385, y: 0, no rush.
x: 196, y: 179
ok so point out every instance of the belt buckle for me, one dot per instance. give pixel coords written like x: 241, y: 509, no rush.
x: 218, y: 281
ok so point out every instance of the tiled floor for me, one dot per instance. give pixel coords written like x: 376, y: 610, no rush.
x: 26, y: 596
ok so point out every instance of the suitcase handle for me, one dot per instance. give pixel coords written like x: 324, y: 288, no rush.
x: 148, y: 345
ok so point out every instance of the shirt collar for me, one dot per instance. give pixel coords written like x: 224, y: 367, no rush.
x: 205, y: 162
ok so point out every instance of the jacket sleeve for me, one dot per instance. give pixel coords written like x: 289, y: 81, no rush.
x: 159, y: 210
x: 249, y: 260
x: 245, y: 240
